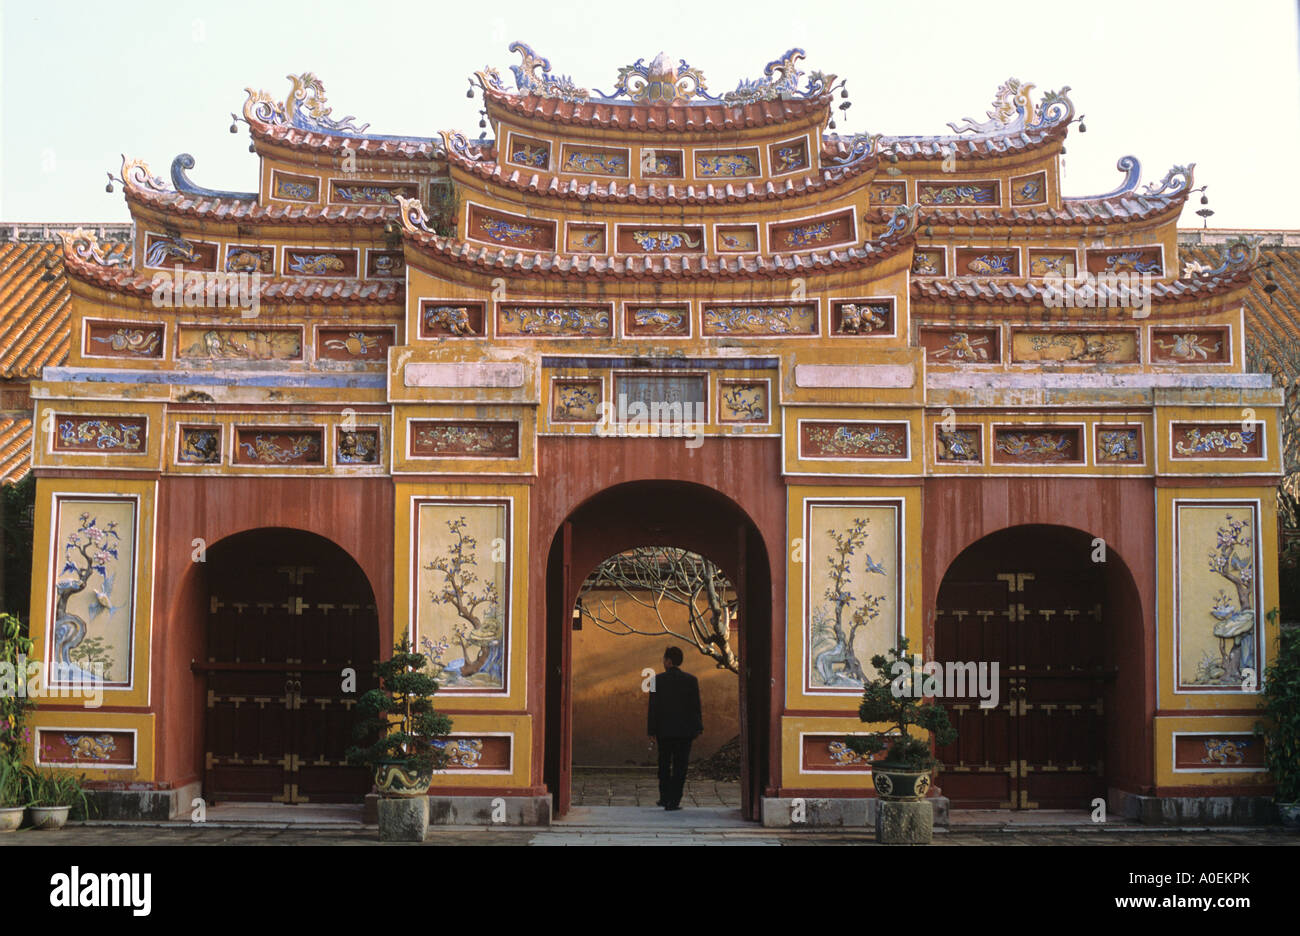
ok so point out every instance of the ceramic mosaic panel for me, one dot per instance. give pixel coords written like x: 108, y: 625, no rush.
x: 889, y: 193
x: 554, y: 321
x: 530, y: 152
x: 1191, y: 346
x: 660, y: 320
x: 463, y: 438
x: 736, y: 238
x: 313, y: 261
x: 727, y: 164
x: 744, y: 401
x: 353, y: 344
x: 946, y: 194
x: 219, y: 343
x: 1063, y: 346
x: 107, y: 435
x: 1060, y: 263
x: 295, y: 187
x: 167, y: 251
x: 358, y: 446
x: 812, y: 233
x: 853, y: 587
x: 453, y: 318
x: 790, y: 156
x: 591, y: 160
x: 385, y: 264
x: 462, y: 574
x: 497, y: 227
x: 1037, y: 445
x: 928, y: 261
x: 1126, y: 260
x: 198, y: 445
x: 1217, y: 440
x: 832, y: 439
x: 108, y: 339
x: 1217, y: 595
x: 1029, y: 189
x: 585, y: 238
x: 93, y: 597
x: 862, y: 317
x: 287, y: 447
x: 575, y: 400
x: 659, y: 163
x: 481, y: 753
x: 371, y: 193
x: 1119, y: 445
x: 247, y: 258
x: 86, y: 748
x: 959, y: 445
x: 1206, y: 751
x: 987, y: 261
x: 827, y: 753
x: 962, y: 345
x: 652, y: 239
x: 761, y: 319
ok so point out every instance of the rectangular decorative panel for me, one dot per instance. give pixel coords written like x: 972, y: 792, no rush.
x: 675, y: 397
x: 282, y: 446
x: 385, y: 264
x: 1037, y: 445
x: 92, y: 627
x: 463, y: 438
x: 247, y: 258
x: 167, y: 251
x: 653, y: 239
x: 358, y: 446
x: 585, y: 238
x: 759, y: 319
x: 1126, y: 260
x: 727, y: 164
x: 1191, y: 346
x: 853, y: 580
x: 198, y: 445
x: 477, y: 753
x: 593, y: 160
x: 554, y: 321
x: 987, y: 261
x: 85, y: 748
x: 1062, y: 263
x: 451, y: 317
x: 846, y: 439
x: 109, y: 339
x: 657, y: 163
x: 789, y: 156
x: 106, y: 435
x: 827, y: 753
x: 1029, y: 189
x: 889, y: 193
x: 313, y: 261
x: 812, y: 233
x: 929, y: 261
x: 1217, y: 594
x: 1204, y: 751
x: 744, y: 401
x: 295, y: 187
x: 509, y: 230
x: 940, y: 194
x: 1119, y: 445
x: 1067, y: 346
x: 666, y: 320
x: 461, y: 600
x: 576, y: 400
x: 1217, y: 440
x: 353, y: 344
x: 220, y: 343
x: 959, y: 445
x: 736, y: 238
x: 371, y: 193
x: 862, y: 317
x: 962, y: 345
x: 530, y: 152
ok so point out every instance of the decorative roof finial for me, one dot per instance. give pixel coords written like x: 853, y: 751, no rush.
x: 1014, y: 110
x: 412, y: 213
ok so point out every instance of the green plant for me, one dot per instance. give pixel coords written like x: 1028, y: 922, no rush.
x: 882, y: 701
x: 13, y: 785
x: 14, y: 704
x: 1280, y: 727
x: 55, y: 788
x: 401, y: 716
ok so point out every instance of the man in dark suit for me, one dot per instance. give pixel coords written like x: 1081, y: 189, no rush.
x: 674, y: 722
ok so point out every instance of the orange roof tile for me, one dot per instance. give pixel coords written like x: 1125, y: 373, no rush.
x: 33, y: 309
x: 15, y: 449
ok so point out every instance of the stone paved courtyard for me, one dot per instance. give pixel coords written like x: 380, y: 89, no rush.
x: 641, y: 788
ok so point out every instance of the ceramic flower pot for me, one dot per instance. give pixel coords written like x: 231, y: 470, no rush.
x: 49, y: 817
x: 11, y: 817
x: 900, y: 783
x: 401, y: 778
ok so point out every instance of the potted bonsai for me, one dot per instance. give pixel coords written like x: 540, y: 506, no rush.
x: 400, y: 717
x: 51, y: 796
x: 904, y: 772
x: 13, y: 796
x: 1281, y: 725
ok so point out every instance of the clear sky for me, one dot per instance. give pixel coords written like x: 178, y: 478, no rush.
x: 1215, y: 83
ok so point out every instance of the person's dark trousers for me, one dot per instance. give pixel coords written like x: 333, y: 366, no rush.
x: 674, y: 755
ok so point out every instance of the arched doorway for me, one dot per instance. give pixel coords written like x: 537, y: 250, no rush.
x: 1060, y: 615
x: 290, y: 616
x: 660, y: 513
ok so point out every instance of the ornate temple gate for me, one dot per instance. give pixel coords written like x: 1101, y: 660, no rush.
x: 288, y: 613
x: 1024, y: 604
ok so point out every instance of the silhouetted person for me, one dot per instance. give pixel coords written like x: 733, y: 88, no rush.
x: 674, y: 722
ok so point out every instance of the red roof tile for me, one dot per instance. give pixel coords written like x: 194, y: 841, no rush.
x: 15, y: 449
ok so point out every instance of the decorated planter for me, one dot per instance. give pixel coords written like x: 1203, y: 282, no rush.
x: 401, y: 778
x: 11, y: 817
x: 49, y: 817
x: 900, y: 784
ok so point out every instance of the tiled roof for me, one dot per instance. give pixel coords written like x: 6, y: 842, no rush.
x: 979, y: 146
x: 1083, y: 211
x: 334, y: 144
x: 33, y: 309
x: 524, y: 180
x: 210, y: 208
x: 970, y: 289
x: 692, y: 118
x: 15, y: 449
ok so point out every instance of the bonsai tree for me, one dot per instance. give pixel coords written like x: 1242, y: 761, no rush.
x: 399, y: 715
x: 1281, y: 727
x: 882, y: 702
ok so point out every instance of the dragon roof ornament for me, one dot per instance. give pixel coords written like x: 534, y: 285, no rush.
x: 1177, y: 181
x: 414, y: 218
x: 1014, y: 111
x: 660, y: 82
x: 1132, y: 170
x: 304, y: 108
x: 905, y: 220
x: 83, y: 245
x: 181, y: 182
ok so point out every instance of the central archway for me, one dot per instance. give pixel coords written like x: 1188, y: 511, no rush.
x: 659, y: 513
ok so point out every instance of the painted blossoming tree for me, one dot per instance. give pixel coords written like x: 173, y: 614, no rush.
x: 838, y: 663
x: 89, y: 554
x: 1233, y: 558
x: 476, y: 603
